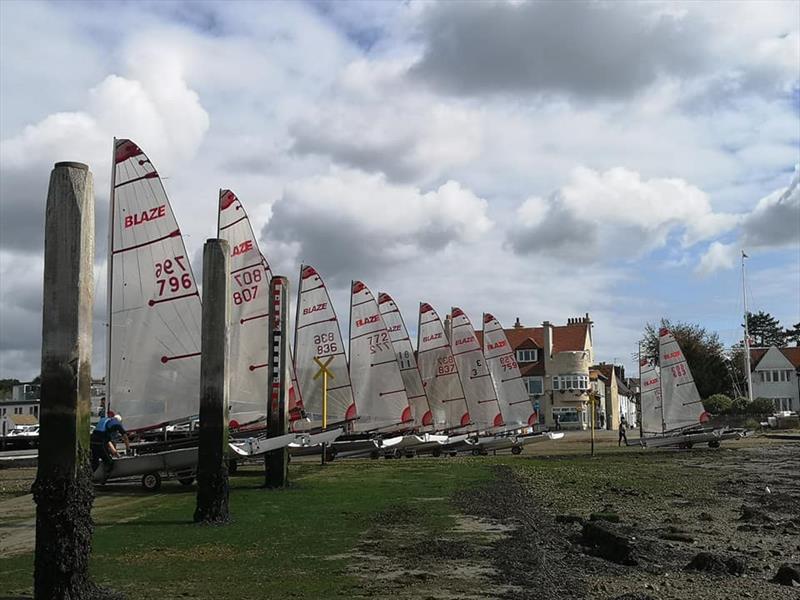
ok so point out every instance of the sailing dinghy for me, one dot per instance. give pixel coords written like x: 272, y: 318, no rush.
x: 669, y: 393
x: 317, y: 336
x: 250, y: 278
x: 378, y: 388
x: 437, y: 368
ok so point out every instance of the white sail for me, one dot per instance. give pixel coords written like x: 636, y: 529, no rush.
x: 378, y: 388
x: 250, y: 277
x: 155, y: 313
x: 437, y: 367
x: 317, y: 335
x: 473, y: 371
x: 681, y: 402
x: 417, y: 398
x: 650, y: 406
x: 515, y: 403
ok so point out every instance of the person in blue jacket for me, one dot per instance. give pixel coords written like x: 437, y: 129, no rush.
x: 102, y: 442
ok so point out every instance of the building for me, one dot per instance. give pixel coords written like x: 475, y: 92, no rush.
x: 24, y: 402
x: 597, y: 383
x: 775, y: 376
x: 554, y: 363
x: 620, y: 395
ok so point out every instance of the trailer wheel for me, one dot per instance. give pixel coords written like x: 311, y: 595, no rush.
x: 476, y: 452
x: 330, y: 455
x: 516, y: 449
x: 436, y: 453
x: 151, y: 481
x: 233, y: 466
x: 453, y: 453
x: 374, y: 455
x: 713, y: 444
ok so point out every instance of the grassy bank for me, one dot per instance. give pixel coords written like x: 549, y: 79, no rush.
x: 291, y: 543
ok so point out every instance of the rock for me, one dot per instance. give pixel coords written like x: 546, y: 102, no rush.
x: 704, y: 516
x: 677, y: 537
x: 754, y: 514
x: 634, y: 596
x: 608, y: 544
x: 604, y: 516
x: 569, y: 519
x: 787, y: 575
x: 715, y: 563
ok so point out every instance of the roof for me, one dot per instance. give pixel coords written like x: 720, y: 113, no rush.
x: 792, y: 354
x: 595, y: 374
x: 566, y: 338
x: 606, y: 370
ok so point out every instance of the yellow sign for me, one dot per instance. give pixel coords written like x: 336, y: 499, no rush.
x: 325, y: 373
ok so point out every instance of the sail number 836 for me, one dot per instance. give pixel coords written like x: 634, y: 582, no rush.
x: 326, y: 344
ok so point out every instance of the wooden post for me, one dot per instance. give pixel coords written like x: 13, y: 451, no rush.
x: 276, y: 462
x: 63, y: 488
x: 212, y: 467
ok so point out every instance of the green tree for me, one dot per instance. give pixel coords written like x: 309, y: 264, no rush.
x: 765, y: 330
x: 761, y: 406
x: 792, y: 335
x: 717, y: 404
x: 739, y: 405
x: 703, y: 351
x: 5, y: 387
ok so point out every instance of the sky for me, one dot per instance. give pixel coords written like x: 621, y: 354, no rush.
x: 536, y: 160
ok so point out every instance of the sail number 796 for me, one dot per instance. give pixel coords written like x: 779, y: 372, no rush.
x: 171, y: 274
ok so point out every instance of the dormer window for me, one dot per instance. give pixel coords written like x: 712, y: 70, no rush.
x: 528, y: 356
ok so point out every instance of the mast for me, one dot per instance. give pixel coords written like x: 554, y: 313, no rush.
x: 746, y: 335
x: 641, y: 390
x: 110, y: 270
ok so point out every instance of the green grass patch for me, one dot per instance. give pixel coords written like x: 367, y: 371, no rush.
x: 291, y: 543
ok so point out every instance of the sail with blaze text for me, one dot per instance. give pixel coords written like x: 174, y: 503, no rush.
x: 317, y: 335
x: 250, y: 277
x: 474, y: 373
x: 515, y: 403
x: 681, y: 402
x: 417, y: 398
x: 378, y: 388
x: 651, y: 408
x: 437, y: 367
x: 154, y: 305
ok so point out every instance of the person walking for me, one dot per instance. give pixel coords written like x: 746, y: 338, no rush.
x: 557, y: 421
x: 622, y: 430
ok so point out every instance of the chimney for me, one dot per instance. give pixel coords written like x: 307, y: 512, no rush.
x: 448, y: 326
x: 517, y: 324
x: 548, y: 340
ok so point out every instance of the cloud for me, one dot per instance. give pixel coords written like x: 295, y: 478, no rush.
x: 372, y: 121
x: 606, y: 50
x: 597, y: 49
x: 774, y: 223
x: 615, y: 213
x: 349, y: 222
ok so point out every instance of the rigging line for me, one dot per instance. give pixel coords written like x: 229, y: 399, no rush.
x: 364, y: 302
x: 366, y: 333
x: 239, y: 220
x: 150, y: 175
x: 315, y: 323
x: 312, y: 289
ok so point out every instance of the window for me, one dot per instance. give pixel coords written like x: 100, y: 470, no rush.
x: 524, y: 356
x: 30, y: 410
x: 782, y: 404
x: 566, y: 415
x: 534, y: 385
x: 571, y: 382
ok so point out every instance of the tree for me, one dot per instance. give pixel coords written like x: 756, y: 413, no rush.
x: 717, y: 404
x: 5, y: 387
x: 703, y: 351
x: 761, y: 406
x: 765, y: 330
x: 792, y: 335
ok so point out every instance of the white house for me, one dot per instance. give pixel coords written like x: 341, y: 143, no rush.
x: 775, y: 376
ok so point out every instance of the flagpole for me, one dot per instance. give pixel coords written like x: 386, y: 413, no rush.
x: 746, y: 335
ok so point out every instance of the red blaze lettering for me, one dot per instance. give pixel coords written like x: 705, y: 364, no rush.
x: 145, y: 216
x: 240, y: 249
x: 675, y: 354
x: 465, y: 340
x: 366, y: 321
x: 313, y: 309
x: 499, y: 344
x: 430, y: 338
x: 393, y: 328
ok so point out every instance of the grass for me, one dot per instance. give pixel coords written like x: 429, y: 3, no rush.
x: 290, y: 543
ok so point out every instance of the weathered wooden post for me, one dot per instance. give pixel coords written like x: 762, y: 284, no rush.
x: 277, y: 461
x: 212, y: 467
x: 63, y: 488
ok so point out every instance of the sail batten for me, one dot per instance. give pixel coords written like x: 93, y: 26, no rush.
x: 154, y: 304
